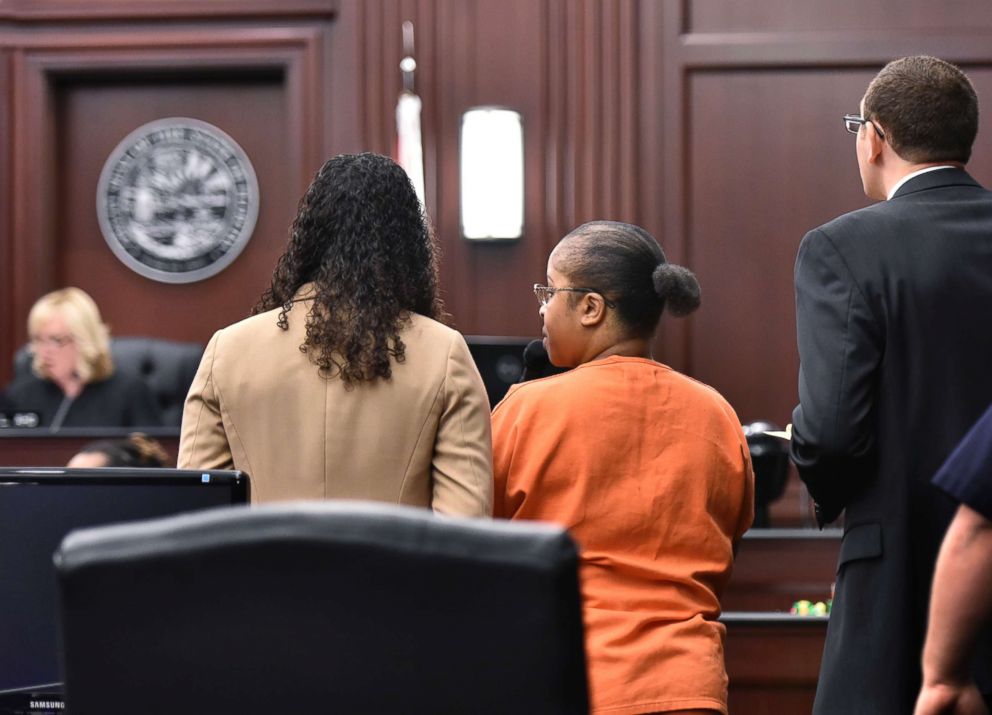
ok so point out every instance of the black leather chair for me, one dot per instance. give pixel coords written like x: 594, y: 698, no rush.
x: 167, y: 366
x: 340, y: 607
x: 770, y: 460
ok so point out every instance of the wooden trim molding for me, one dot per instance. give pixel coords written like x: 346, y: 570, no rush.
x: 73, y: 10
x: 867, y: 48
x: 7, y: 316
x: 36, y: 448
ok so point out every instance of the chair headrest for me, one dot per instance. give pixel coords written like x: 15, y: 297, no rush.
x: 371, y: 607
x: 384, y: 527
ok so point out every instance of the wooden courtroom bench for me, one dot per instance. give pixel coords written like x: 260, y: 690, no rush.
x: 773, y: 660
x: 773, y: 657
x: 775, y: 568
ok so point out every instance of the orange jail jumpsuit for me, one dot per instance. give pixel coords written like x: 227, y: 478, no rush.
x: 650, y: 472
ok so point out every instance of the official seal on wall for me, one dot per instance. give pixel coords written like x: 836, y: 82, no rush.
x: 177, y: 200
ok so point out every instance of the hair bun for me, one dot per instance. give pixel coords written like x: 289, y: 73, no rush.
x: 678, y: 287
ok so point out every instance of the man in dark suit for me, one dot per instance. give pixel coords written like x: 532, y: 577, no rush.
x: 893, y: 304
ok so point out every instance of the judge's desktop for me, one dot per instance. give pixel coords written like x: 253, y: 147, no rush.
x: 38, y: 507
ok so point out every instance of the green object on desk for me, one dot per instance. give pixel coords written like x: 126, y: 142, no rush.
x: 807, y: 608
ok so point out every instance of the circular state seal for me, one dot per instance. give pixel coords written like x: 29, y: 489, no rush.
x: 177, y: 200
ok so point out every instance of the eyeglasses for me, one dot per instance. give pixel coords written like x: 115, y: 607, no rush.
x: 853, y: 124
x: 36, y: 342
x: 546, y: 293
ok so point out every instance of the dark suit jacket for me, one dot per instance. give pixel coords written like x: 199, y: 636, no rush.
x: 894, y: 315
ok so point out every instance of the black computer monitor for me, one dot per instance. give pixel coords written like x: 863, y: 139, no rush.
x: 39, y: 506
x: 500, y: 361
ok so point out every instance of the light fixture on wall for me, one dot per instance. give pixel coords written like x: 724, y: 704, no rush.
x: 492, y: 173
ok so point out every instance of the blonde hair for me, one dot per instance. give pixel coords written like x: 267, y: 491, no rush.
x: 90, y: 334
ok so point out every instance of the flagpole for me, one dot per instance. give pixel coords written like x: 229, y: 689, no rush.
x: 409, y: 141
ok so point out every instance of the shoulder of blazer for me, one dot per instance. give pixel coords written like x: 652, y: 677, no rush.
x: 939, y: 179
x: 252, y: 327
x: 853, y: 225
x: 419, y: 332
x: 430, y: 327
x: 863, y: 220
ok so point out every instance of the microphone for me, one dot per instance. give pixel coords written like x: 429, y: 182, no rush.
x: 536, y: 361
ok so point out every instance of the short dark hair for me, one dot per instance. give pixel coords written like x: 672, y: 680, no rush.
x: 361, y: 238
x: 137, y: 450
x: 927, y: 108
x: 625, y: 263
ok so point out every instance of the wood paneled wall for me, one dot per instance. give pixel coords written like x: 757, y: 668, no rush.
x: 80, y: 77
x: 713, y: 123
x: 755, y: 155
x: 571, y: 68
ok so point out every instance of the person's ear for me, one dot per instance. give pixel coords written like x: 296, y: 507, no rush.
x: 592, y: 310
x: 875, y: 141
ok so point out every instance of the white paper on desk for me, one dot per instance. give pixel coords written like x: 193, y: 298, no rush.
x: 786, y: 434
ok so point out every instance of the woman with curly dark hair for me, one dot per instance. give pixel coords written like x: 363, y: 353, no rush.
x: 343, y: 383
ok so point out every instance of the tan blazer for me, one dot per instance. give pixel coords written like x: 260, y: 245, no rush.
x: 422, y: 438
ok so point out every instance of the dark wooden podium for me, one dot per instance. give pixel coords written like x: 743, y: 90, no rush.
x: 41, y: 448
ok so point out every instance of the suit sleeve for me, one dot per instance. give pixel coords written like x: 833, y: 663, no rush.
x: 840, y: 348
x: 462, y: 467
x: 202, y: 440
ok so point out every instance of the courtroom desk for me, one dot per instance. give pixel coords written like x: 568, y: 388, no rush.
x: 774, y: 568
x: 41, y: 448
x: 773, y: 661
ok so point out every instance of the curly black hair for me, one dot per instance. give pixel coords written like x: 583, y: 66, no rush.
x: 361, y: 238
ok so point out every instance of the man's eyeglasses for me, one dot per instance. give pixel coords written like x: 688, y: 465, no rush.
x: 853, y: 123
x: 36, y: 342
x: 545, y: 293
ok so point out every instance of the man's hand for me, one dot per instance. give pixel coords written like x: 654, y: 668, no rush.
x: 950, y: 699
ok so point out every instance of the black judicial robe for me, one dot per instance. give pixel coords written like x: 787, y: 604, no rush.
x: 119, y: 401
x: 894, y: 317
